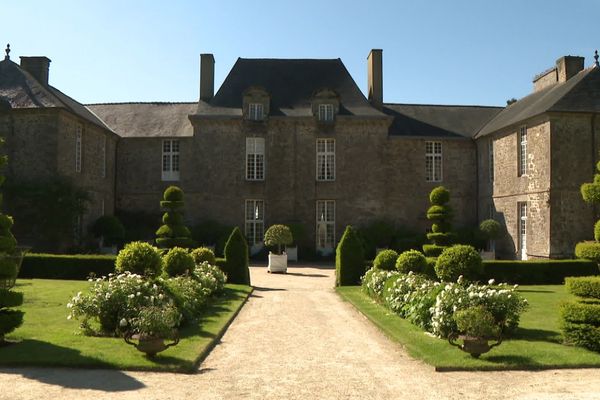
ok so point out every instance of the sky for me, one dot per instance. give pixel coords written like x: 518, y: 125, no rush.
x: 434, y: 52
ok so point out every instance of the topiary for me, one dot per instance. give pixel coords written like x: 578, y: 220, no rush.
x: 178, y: 261
x: 411, y: 260
x: 139, y: 258
x: 386, y: 260
x: 173, y: 232
x: 490, y: 229
x: 588, y: 250
x: 459, y: 260
x: 110, y: 229
x: 278, y: 235
x: 349, y: 259
x: 591, y: 194
x: 236, y: 258
x: 597, y: 231
x: 580, y: 320
x: 440, y: 214
x: 203, y: 254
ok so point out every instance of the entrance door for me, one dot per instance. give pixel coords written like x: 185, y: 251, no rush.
x: 523, y: 230
x: 325, y: 226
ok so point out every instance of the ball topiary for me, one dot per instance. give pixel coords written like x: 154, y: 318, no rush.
x: 411, y: 260
x: 203, y: 254
x: 490, y: 229
x: 278, y: 235
x: 386, y: 260
x: 439, y: 196
x: 139, y: 258
x: 173, y: 193
x: 349, y: 259
x: 178, y: 262
x: 459, y: 260
x: 173, y: 233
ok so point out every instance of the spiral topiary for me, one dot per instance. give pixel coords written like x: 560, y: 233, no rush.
x: 440, y: 214
x: 591, y: 194
x: 178, y: 261
x: 9, y: 269
x: 204, y: 254
x: 173, y: 232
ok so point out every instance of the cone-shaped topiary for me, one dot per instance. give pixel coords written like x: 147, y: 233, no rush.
x: 173, y: 232
x: 236, y: 258
x: 278, y: 235
x: 349, y: 259
x: 440, y: 215
x: 9, y: 269
x: 591, y: 194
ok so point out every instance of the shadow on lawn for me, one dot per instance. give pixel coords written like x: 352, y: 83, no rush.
x: 536, y: 335
x: 510, y: 360
x: 93, y: 379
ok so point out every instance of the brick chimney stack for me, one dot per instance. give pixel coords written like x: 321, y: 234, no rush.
x: 38, y: 67
x: 207, y: 77
x: 375, y: 77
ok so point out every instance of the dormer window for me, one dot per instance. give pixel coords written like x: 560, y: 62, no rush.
x: 255, y: 111
x: 326, y: 112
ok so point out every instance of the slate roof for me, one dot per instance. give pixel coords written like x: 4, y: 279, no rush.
x: 581, y: 93
x: 291, y: 83
x: 21, y: 90
x: 438, y: 120
x: 133, y: 120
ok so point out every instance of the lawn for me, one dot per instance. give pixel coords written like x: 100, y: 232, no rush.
x: 47, y: 338
x: 535, y: 345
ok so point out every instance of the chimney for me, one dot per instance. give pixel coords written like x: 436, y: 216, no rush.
x: 568, y: 66
x: 207, y: 77
x: 375, y: 77
x: 38, y: 67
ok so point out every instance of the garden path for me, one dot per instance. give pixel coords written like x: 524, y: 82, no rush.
x: 296, y: 339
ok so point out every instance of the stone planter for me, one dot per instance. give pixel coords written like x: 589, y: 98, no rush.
x: 292, y: 253
x: 17, y: 257
x: 151, y: 345
x: 488, y: 255
x: 475, y: 346
x: 277, y: 263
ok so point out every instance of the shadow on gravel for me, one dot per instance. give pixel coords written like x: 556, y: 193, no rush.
x: 268, y: 289
x: 307, y: 275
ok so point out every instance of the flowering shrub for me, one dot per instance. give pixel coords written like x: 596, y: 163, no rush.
x: 210, y: 277
x: 476, y: 322
x: 502, y: 301
x: 112, y: 302
x: 156, y: 321
x: 188, y: 294
x: 374, y: 280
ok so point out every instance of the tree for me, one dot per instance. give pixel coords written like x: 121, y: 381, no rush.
x: 278, y: 235
x: 349, y: 259
x: 441, y: 215
x: 173, y: 232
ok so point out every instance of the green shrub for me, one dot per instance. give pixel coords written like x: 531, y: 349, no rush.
x: 349, y: 259
x: 536, y: 272
x: 211, y: 277
x: 278, y: 235
x: 188, y: 295
x: 439, y: 196
x: 110, y: 229
x: 173, y: 193
x: 377, y: 233
x: 597, y: 231
x: 236, y: 256
x: 178, y: 262
x: 173, y: 233
x: 590, y: 192
x: 476, y: 322
x: 60, y: 266
x: 429, y: 270
x: 456, y: 261
x: 411, y: 260
x: 588, y: 251
x: 209, y: 232
x: 433, y: 250
x: 202, y: 254
x: 584, y: 286
x: 490, y: 229
x: 139, y: 258
x: 584, y: 335
x: 386, y: 260
x: 581, y: 312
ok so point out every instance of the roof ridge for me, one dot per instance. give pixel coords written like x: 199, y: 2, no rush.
x: 441, y: 105
x: 140, y: 102
x: 288, y: 59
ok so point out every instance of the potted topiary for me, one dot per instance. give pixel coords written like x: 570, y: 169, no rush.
x: 110, y: 231
x: 151, y: 328
x: 476, y: 327
x: 490, y: 230
x: 278, y: 235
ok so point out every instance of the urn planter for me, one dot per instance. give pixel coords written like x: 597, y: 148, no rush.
x: 277, y: 263
x: 151, y: 345
x: 475, y: 346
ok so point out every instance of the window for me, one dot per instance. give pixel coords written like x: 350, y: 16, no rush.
x: 255, y: 112
x: 325, y: 159
x: 433, y: 161
x: 326, y: 112
x: 325, y: 226
x: 78, y: 139
x: 255, y: 159
x: 523, y: 151
x: 491, y: 159
x: 104, y: 157
x: 170, y: 160
x: 255, y: 224
x: 522, y: 207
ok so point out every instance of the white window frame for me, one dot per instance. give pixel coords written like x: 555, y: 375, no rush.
x: 104, y: 157
x: 254, y: 221
x: 491, y: 159
x: 170, y: 159
x: 326, y: 113
x: 434, y: 167
x: 522, y: 210
x: 325, y: 159
x: 325, y: 226
x: 78, y: 148
x: 255, y: 159
x: 256, y: 111
x: 522, y: 153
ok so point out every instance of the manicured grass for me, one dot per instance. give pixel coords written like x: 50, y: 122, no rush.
x: 535, y: 345
x: 47, y: 338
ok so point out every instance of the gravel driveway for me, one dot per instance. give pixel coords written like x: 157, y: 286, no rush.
x: 295, y: 339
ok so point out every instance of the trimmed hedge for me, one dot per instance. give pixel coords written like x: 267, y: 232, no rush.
x: 588, y: 251
x: 584, y: 286
x: 349, y: 259
x: 584, y: 335
x: 236, y: 256
x: 537, y: 272
x: 71, y: 267
x: 581, y: 312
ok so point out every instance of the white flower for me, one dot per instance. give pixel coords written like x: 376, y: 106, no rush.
x: 491, y: 281
x: 70, y: 316
x: 123, y: 322
x: 131, y: 296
